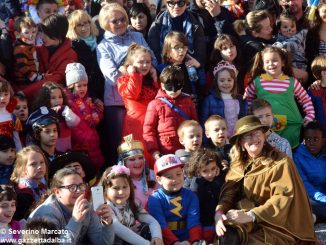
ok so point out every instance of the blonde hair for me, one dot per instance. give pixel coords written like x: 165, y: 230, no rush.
x: 212, y: 119
x: 77, y: 17
x: 21, y: 161
x: 187, y: 124
x: 24, y: 22
x: 318, y: 65
x: 132, y: 50
x: 107, y: 10
x: 252, y: 22
x: 167, y: 45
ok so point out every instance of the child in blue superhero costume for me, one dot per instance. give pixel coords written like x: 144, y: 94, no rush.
x: 174, y: 207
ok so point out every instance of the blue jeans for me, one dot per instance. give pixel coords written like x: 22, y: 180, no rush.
x: 113, y: 122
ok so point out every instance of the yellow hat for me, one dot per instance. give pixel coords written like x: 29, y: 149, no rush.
x: 130, y: 147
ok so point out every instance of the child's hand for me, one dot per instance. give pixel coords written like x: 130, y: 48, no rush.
x: 80, y: 209
x: 219, y: 224
x: 57, y: 108
x: 213, y: 7
x: 131, y: 69
x: 99, y: 105
x: 153, y: 73
x: 192, y: 62
x: 225, y: 165
x: 305, y: 122
x: 104, y: 211
x: 157, y: 241
x: 123, y: 69
x: 316, y: 85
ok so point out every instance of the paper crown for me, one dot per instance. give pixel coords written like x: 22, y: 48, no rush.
x: 224, y: 65
x: 129, y: 145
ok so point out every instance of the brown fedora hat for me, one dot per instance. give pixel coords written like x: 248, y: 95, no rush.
x: 245, y: 125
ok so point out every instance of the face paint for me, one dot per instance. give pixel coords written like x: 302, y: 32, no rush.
x: 173, y: 85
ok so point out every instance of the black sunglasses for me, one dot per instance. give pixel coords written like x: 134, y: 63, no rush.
x: 179, y: 3
x: 119, y: 20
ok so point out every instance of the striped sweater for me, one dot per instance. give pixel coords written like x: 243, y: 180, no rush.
x: 26, y: 63
x: 281, y: 84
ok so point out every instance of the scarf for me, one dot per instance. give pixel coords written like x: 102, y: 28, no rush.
x: 90, y: 42
x: 186, y: 26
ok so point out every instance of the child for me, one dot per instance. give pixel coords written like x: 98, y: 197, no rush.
x: 226, y: 48
x: 263, y: 110
x: 273, y: 81
x: 166, y: 112
x: 310, y: 159
x: 43, y: 127
x: 175, y: 52
x: 26, y: 67
x: 29, y: 177
x: 174, y: 207
x: 291, y: 40
x: 223, y: 99
x: 131, y: 155
x: 216, y: 133
x: 52, y: 96
x: 22, y: 112
x: 9, y: 124
x: 137, y: 88
x: 7, y: 158
x: 79, y: 161
x: 84, y: 136
x: 128, y: 213
x: 318, y: 96
x: 205, y: 169
x: 190, y: 135
x: 10, y: 229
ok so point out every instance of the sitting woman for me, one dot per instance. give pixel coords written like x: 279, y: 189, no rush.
x: 273, y: 201
x: 70, y: 211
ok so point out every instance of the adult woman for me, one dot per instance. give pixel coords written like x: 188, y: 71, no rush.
x: 177, y: 18
x: 68, y: 208
x: 83, y: 34
x: 140, y: 18
x: 111, y: 53
x: 272, y: 204
x: 255, y: 33
x: 53, y: 55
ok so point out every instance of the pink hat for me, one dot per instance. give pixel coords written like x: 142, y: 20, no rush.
x: 167, y: 162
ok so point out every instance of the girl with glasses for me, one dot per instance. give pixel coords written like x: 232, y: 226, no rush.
x: 73, y: 214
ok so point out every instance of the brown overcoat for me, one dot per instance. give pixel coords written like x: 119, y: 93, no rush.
x: 276, y: 194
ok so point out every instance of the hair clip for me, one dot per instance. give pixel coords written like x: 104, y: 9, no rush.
x: 119, y: 169
x: 224, y: 65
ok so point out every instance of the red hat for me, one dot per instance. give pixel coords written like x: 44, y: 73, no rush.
x: 167, y: 162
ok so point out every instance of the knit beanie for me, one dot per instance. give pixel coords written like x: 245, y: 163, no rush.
x: 75, y: 72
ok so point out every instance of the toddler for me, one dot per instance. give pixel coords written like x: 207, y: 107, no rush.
x: 291, y: 40
x: 22, y: 112
x: 190, y: 135
x: 310, y: 159
x: 166, y: 112
x: 263, y: 110
x: 223, y: 99
x: 216, y: 133
x: 10, y: 229
x: 26, y: 66
x: 29, y: 178
x: 131, y: 155
x: 318, y: 95
x: 205, y: 169
x: 7, y: 158
x: 273, y: 81
x: 84, y: 136
x: 174, y: 207
x: 128, y: 213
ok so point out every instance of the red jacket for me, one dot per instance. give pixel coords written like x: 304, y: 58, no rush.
x: 53, y: 67
x: 162, y: 122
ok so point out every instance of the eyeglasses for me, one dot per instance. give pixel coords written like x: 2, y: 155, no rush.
x: 179, y: 48
x: 74, y: 187
x: 312, y: 140
x: 250, y: 136
x: 81, y: 25
x: 179, y: 3
x: 119, y: 20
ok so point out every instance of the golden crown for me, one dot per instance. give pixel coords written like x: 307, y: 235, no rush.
x: 130, y: 145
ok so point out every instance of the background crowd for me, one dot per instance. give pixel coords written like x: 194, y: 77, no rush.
x: 202, y: 120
